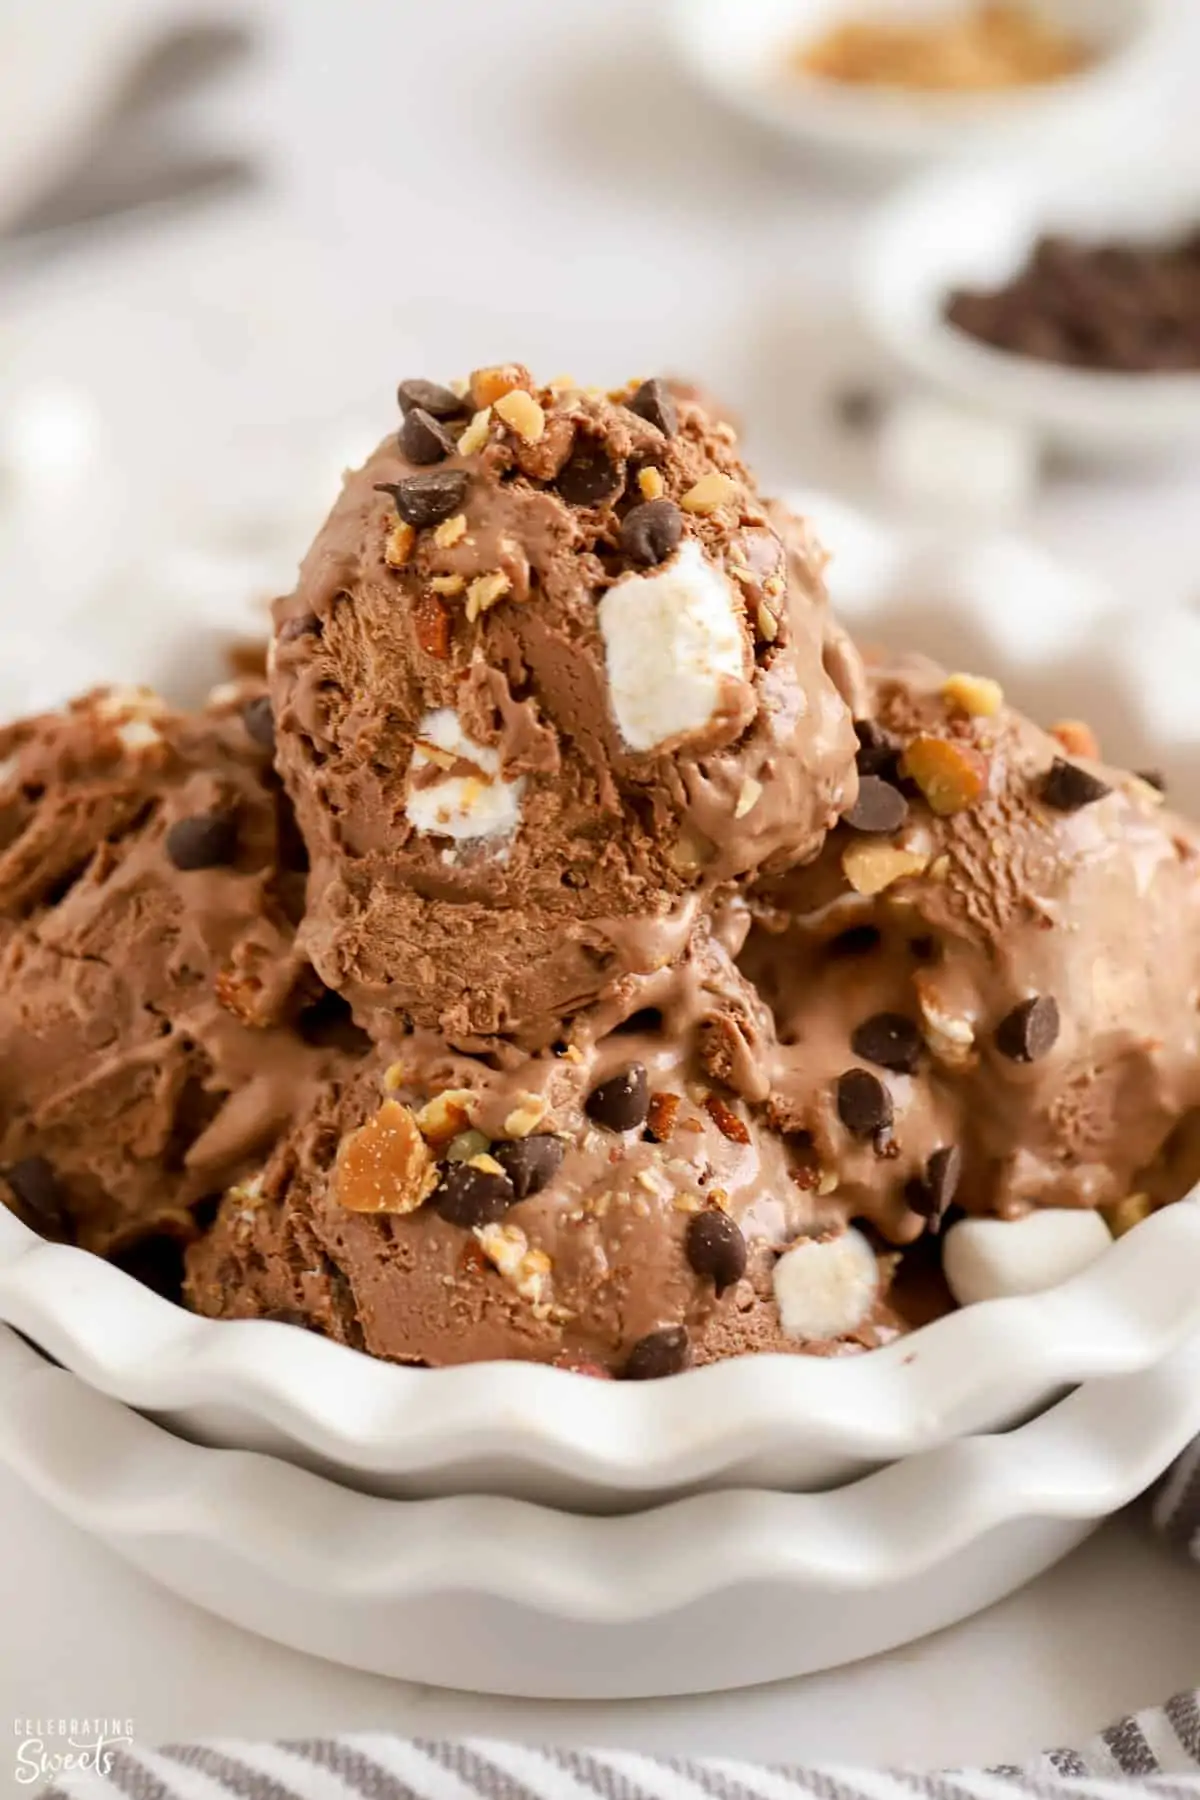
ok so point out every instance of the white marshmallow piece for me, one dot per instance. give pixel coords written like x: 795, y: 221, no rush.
x: 987, y: 1259
x: 671, y: 641
x: 481, y: 805
x: 826, y: 1287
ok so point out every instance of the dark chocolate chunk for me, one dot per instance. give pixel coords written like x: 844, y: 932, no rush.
x: 660, y: 1353
x: 1030, y: 1031
x: 1066, y: 787
x: 41, y: 1195
x: 878, y: 750
x: 879, y: 808
x: 716, y: 1249
x: 931, y: 1196
x: 468, y: 1196
x: 259, y: 721
x: 438, y: 402
x: 651, y: 531
x: 622, y: 1102
x: 530, y: 1163
x: 863, y: 1103
x: 655, y: 403
x: 304, y: 625
x: 590, y: 476
x: 423, y: 500
x: 423, y: 440
x: 889, y: 1040
x: 205, y: 841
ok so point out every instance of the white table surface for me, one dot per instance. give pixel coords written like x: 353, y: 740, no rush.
x: 455, y: 183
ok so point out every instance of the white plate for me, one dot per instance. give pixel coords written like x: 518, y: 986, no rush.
x: 737, y: 49
x: 494, y: 1595
x: 977, y: 229
x: 543, y: 1434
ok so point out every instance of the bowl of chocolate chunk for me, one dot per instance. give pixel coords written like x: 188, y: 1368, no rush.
x: 1068, y: 303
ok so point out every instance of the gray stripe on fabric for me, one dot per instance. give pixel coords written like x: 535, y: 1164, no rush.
x: 238, y: 1777
x: 487, y: 1778
x: 1130, y: 1749
x: 934, y: 1787
x: 343, y: 1758
x: 1183, y: 1716
x: 137, y: 1783
x: 1067, y: 1762
x: 590, y: 1768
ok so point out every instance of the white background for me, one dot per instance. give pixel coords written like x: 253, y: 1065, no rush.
x: 451, y: 182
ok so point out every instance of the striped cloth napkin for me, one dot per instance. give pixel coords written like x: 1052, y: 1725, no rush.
x: 1147, y: 1755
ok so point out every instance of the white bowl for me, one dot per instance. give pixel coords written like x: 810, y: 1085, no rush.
x: 977, y: 229
x: 498, y: 1596
x: 543, y: 1434
x: 737, y: 49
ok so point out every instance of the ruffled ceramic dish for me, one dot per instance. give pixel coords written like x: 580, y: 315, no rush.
x: 719, y: 1591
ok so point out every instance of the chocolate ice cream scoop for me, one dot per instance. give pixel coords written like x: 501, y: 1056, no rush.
x: 615, y: 1206
x: 550, y: 677
x: 993, y: 1001
x: 153, y: 1007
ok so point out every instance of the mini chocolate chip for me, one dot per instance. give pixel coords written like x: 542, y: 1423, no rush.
x: 427, y: 499
x: 878, y: 750
x: 660, y: 1353
x: 423, y: 440
x: 931, y: 1196
x: 1030, y: 1030
x: 259, y: 721
x: 1066, y: 787
x: 1153, y: 778
x: 530, y: 1163
x: 651, y: 531
x: 716, y: 1249
x: 438, y: 402
x: 40, y: 1192
x: 205, y: 841
x: 879, y: 808
x: 655, y: 403
x: 591, y: 476
x: 864, y: 1104
x: 622, y: 1102
x: 468, y: 1196
x: 889, y: 1040
x: 304, y: 625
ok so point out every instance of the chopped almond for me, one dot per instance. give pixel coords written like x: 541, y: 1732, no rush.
x: 490, y: 385
x: 399, y: 547
x: 710, y: 492
x: 443, y: 1117
x: 977, y: 695
x: 661, y: 1115
x: 1076, y: 738
x: 952, y: 776
x: 870, y: 867
x: 726, y: 1120
x: 522, y: 414
x: 431, y: 626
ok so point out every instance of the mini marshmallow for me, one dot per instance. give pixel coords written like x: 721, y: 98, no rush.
x: 826, y: 1287
x: 672, y: 640
x: 461, y: 806
x: 985, y: 1259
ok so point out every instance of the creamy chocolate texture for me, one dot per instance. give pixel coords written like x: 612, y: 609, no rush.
x: 152, y: 995
x: 539, y: 703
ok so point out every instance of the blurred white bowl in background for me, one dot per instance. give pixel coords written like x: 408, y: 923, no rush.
x: 739, y: 50
x: 976, y: 229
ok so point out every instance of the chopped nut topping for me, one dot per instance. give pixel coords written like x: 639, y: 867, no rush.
x: 749, y: 797
x: 650, y: 482
x: 768, y: 624
x: 726, y: 1120
x: 773, y: 587
x: 661, y: 1114
x: 487, y: 1165
x: 952, y: 776
x: 431, y: 626
x: 386, y: 1165
x: 475, y: 437
x: 442, y: 759
x: 710, y: 492
x: 485, y: 591
x: 443, y: 1117
x: 827, y: 1183
x: 400, y: 545
x: 129, y: 703
x: 138, y: 734
x: 522, y: 414
x: 1077, y: 739
x: 870, y: 866
x: 1123, y: 1215
x: 449, y: 585
x: 490, y: 385
x: 240, y: 995
x: 646, y: 1178
x: 526, y: 1117
x: 451, y: 531
x: 977, y: 695
x: 467, y: 1145
x: 572, y: 1054
x: 950, y: 1036
x: 507, y: 1248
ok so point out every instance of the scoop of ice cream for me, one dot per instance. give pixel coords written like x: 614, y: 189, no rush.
x: 987, y: 989
x: 550, y: 677
x: 152, y: 1003
x: 615, y: 1206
